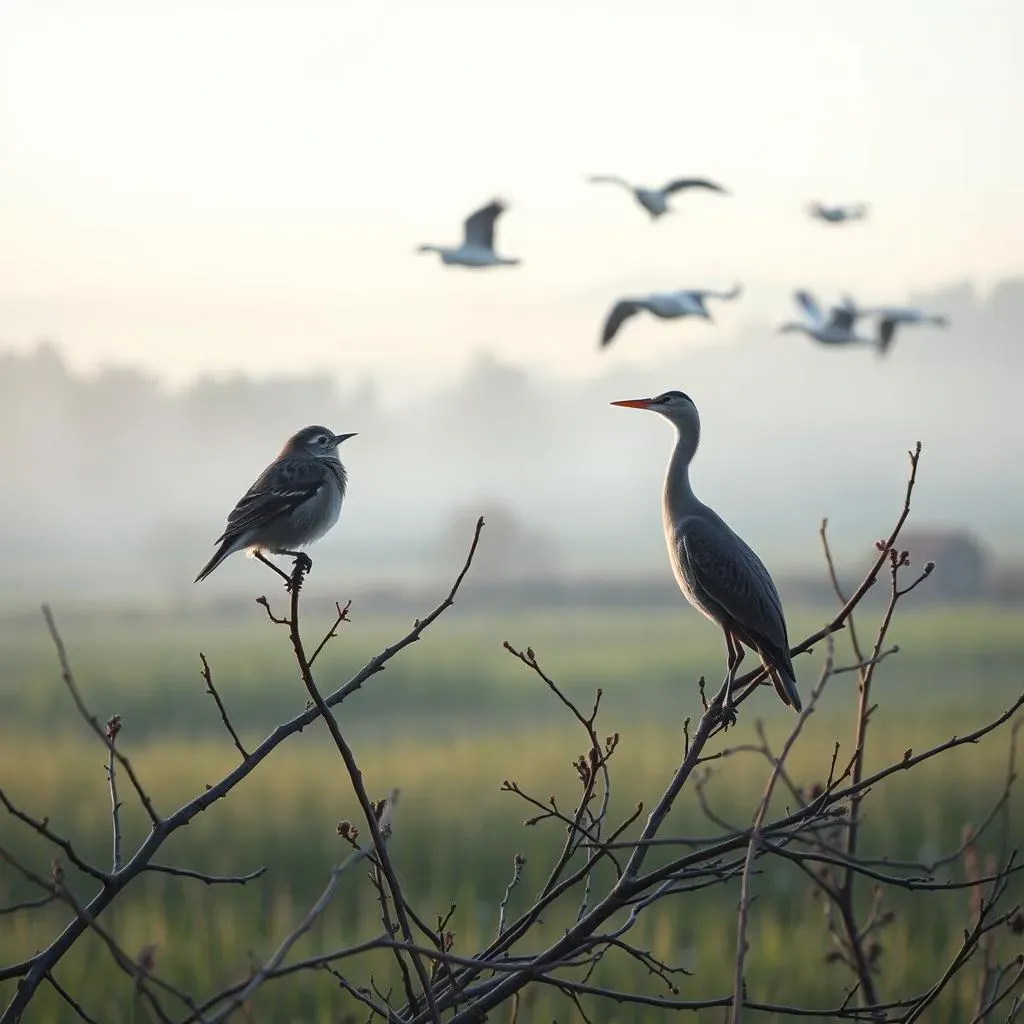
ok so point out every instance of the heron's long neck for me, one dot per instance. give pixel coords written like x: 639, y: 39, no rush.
x: 679, y: 498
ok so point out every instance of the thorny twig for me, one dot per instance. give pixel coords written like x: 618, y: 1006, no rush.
x: 113, y: 728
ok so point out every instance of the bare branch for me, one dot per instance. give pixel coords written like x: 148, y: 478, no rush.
x: 212, y: 691
x: 34, y: 970
x: 43, y: 828
x: 333, y: 631
x: 201, y: 876
x: 113, y: 728
x: 237, y: 1000
x: 14, y: 908
x: 74, y: 1004
x: 69, y: 679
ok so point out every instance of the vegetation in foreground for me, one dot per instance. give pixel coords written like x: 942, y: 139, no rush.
x: 457, y: 832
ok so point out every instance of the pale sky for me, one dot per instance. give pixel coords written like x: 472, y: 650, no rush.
x: 210, y: 186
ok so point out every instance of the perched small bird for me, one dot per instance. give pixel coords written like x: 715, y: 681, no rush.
x: 295, y: 501
x: 838, y: 328
x: 838, y: 214
x: 890, y: 317
x: 716, y: 571
x: 477, y: 249
x: 665, y: 306
x: 655, y: 200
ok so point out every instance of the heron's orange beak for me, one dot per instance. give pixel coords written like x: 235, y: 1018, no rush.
x: 634, y: 403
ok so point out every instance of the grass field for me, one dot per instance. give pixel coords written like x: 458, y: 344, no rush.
x: 447, y: 722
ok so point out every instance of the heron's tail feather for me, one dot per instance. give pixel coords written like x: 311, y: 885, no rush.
x: 785, y: 687
x: 780, y: 668
x: 228, y: 546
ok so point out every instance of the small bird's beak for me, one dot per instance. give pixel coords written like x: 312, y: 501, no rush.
x: 634, y: 403
x: 338, y: 438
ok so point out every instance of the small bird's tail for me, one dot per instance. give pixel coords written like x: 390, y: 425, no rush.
x: 227, y: 547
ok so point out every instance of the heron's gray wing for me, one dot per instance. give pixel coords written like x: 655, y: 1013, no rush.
x: 680, y: 183
x: 806, y: 301
x: 620, y: 313
x: 728, y: 572
x: 479, y: 226
x: 281, y: 488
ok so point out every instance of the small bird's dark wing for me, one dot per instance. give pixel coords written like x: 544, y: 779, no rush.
x: 620, y: 313
x: 479, y: 226
x: 728, y: 572
x: 282, y: 487
x: 681, y: 183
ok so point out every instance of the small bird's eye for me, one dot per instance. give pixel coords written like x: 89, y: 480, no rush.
x: 322, y: 439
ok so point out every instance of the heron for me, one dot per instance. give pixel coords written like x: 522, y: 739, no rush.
x: 841, y: 214
x: 655, y: 200
x: 838, y: 328
x: 477, y: 248
x: 665, y: 306
x: 716, y: 570
x: 890, y: 317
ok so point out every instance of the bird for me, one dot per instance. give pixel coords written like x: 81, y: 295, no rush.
x: 477, y: 248
x: 294, y: 502
x: 840, y: 214
x: 665, y: 306
x: 655, y: 200
x: 716, y: 570
x: 838, y: 328
x: 890, y: 317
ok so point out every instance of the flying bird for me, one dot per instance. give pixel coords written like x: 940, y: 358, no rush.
x: 665, y: 306
x: 477, y: 248
x: 838, y: 214
x: 655, y: 200
x: 838, y: 328
x: 715, y: 569
x: 294, y: 502
x: 890, y: 317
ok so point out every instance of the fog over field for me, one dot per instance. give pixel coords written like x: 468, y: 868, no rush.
x: 117, y: 483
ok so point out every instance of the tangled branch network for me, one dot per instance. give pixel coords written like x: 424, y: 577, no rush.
x: 602, y: 873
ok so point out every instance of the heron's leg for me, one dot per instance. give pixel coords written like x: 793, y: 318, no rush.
x: 734, y: 655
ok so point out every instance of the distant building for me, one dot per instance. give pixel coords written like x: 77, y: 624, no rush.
x: 961, y: 562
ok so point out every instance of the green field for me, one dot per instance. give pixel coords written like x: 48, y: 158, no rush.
x: 449, y: 720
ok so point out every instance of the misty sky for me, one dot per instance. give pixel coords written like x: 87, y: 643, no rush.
x: 204, y: 186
